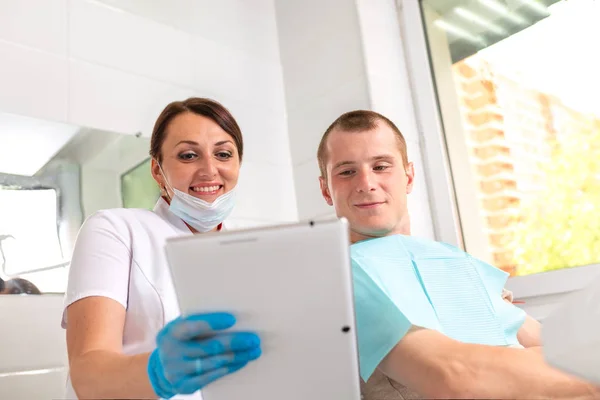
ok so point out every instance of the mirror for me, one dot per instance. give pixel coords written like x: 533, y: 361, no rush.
x: 53, y: 176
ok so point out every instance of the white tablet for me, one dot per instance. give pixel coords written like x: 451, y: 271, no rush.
x: 292, y: 285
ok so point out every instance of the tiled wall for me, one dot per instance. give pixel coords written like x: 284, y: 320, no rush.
x: 391, y: 94
x: 338, y: 56
x: 114, y: 65
x: 32, y: 340
x: 324, y: 77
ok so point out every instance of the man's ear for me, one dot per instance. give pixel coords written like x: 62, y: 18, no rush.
x: 410, y: 175
x: 325, y: 190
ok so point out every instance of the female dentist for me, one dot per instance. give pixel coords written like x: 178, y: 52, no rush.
x: 125, y: 338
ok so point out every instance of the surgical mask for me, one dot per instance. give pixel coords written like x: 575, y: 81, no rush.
x: 200, y: 214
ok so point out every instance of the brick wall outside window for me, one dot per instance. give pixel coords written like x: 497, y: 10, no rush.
x: 509, y: 129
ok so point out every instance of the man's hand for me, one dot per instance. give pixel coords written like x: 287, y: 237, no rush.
x: 529, y: 335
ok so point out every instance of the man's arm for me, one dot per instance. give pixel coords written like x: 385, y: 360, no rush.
x: 439, y: 367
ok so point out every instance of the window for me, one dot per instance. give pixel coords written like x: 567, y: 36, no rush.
x: 27, y: 253
x: 138, y: 187
x: 517, y: 87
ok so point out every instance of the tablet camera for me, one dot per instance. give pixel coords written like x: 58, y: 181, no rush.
x: 346, y: 329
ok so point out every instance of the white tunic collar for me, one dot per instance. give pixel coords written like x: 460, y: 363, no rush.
x: 162, y: 209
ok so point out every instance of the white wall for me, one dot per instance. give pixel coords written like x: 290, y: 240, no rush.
x: 324, y: 77
x: 340, y: 55
x: 33, y: 347
x: 114, y: 65
x: 391, y: 95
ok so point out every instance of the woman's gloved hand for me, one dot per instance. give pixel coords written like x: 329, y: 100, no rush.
x: 191, y: 353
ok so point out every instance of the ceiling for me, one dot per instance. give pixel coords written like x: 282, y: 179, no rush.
x: 472, y: 25
x: 443, y: 6
x: 27, y: 144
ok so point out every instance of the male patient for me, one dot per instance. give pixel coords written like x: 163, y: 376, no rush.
x: 432, y: 321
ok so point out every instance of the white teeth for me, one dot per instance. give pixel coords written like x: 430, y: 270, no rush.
x: 206, y: 189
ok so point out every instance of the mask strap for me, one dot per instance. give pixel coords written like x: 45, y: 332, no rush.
x: 166, y: 181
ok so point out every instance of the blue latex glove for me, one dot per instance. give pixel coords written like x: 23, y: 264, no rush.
x: 191, y: 353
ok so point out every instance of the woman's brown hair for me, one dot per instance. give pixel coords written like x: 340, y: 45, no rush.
x: 197, y: 105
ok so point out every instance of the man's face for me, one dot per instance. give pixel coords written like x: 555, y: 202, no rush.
x: 367, y: 182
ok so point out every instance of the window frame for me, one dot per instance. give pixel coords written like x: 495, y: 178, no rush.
x: 128, y: 171
x: 448, y: 224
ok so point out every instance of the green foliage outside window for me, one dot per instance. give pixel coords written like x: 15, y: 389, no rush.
x: 560, y: 226
x: 138, y: 188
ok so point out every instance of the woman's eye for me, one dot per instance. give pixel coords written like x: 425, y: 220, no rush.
x: 187, y: 156
x: 224, y: 154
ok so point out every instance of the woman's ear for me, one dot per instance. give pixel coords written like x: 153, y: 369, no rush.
x: 156, y: 171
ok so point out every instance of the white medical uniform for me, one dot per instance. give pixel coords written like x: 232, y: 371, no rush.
x: 120, y: 254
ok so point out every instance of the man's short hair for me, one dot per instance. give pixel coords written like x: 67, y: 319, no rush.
x: 358, y: 121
